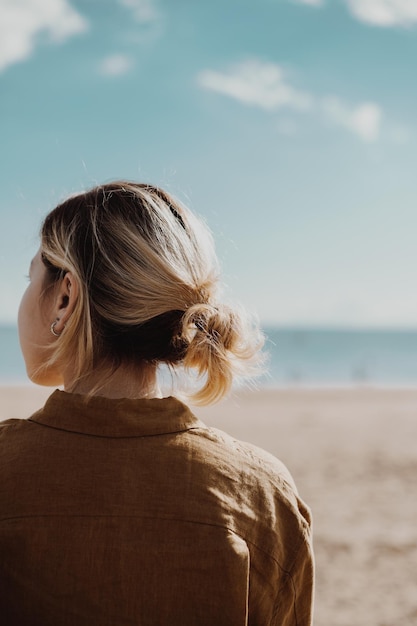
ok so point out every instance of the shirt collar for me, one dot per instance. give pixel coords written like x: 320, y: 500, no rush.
x: 105, y: 417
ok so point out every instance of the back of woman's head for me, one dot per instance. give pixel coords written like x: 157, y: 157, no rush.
x: 147, y: 277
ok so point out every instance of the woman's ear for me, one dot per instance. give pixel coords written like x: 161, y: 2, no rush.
x: 66, y: 297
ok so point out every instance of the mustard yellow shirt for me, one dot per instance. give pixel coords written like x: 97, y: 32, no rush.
x: 133, y: 512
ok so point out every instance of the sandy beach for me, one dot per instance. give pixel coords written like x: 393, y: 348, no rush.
x: 353, y: 454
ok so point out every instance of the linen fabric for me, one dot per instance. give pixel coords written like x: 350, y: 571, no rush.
x: 133, y: 512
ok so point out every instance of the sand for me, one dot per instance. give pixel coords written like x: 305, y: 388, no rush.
x: 353, y: 454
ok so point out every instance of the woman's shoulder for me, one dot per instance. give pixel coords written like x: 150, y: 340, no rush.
x: 256, y: 468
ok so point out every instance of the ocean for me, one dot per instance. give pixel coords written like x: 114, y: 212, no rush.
x: 298, y: 357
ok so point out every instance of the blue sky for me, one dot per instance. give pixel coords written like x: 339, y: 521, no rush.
x: 291, y: 127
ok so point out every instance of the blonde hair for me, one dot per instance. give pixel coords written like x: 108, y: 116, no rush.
x: 148, y: 280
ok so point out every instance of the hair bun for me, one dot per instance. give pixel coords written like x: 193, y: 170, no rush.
x: 210, y: 320
x: 219, y: 343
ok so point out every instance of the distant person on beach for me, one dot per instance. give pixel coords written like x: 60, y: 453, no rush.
x: 118, y: 506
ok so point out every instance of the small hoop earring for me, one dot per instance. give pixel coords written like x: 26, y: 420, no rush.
x: 55, y: 334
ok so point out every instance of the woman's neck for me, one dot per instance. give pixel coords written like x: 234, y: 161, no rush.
x: 124, y: 382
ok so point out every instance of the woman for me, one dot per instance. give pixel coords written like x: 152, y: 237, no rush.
x: 120, y: 507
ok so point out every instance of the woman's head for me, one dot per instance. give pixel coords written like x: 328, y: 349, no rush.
x: 143, y: 276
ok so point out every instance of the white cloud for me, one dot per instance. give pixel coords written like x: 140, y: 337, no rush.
x: 377, y: 12
x: 384, y: 12
x: 144, y: 11
x: 363, y: 120
x: 22, y: 21
x: 265, y: 85
x: 255, y: 83
x: 116, y: 65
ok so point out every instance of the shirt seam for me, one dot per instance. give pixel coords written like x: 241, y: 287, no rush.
x: 172, y: 519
